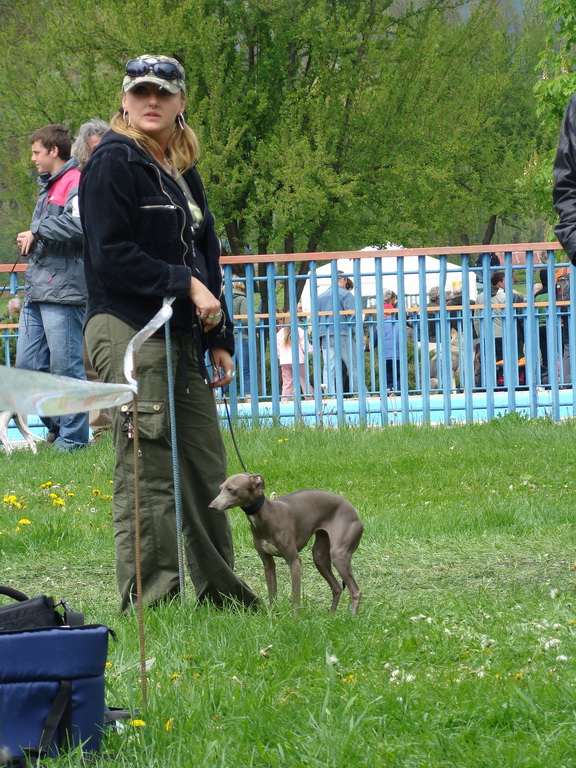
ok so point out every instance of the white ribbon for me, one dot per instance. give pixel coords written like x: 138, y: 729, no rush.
x: 136, y: 342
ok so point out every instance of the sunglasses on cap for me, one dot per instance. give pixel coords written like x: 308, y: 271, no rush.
x: 163, y: 69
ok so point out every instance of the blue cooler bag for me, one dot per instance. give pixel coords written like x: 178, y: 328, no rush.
x: 52, y: 689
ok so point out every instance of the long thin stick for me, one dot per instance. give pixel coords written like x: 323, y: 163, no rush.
x: 137, y: 551
x: 175, y: 467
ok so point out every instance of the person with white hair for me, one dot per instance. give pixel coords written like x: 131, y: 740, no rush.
x: 87, y: 139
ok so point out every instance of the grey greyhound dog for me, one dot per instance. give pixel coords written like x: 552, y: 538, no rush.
x: 283, y: 526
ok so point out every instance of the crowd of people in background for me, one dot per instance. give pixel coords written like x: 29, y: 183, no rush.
x: 55, y: 300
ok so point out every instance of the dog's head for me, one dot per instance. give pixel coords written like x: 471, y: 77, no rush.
x: 238, y: 491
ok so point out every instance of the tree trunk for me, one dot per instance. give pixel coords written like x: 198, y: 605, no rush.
x: 490, y: 229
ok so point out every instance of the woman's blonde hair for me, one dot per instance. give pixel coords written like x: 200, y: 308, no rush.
x: 183, y: 144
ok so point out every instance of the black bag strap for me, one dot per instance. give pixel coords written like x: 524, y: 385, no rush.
x: 59, y: 717
x: 73, y: 618
x: 13, y: 593
x: 117, y: 713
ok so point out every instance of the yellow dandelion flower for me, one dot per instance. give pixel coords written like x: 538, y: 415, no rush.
x: 71, y: 494
x: 497, y: 675
x: 95, y: 492
x: 53, y: 495
x: 24, y: 521
x: 571, y: 622
x: 349, y: 679
x: 17, y: 528
x: 57, y: 502
x: 168, y: 724
x: 47, y: 485
x: 175, y: 676
x: 519, y: 675
x: 11, y: 498
x: 17, y: 504
x: 137, y: 723
x: 108, y: 665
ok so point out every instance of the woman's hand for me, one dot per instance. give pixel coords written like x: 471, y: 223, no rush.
x: 208, y: 307
x: 223, y: 367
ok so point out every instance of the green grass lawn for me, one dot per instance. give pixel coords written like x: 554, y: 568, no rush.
x: 463, y: 652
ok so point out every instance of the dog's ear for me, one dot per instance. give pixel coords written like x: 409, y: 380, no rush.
x: 258, y: 481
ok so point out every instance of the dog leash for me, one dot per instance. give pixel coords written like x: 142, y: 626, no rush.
x: 229, y: 420
x: 232, y: 435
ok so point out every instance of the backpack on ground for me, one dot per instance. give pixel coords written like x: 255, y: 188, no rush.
x: 51, y: 681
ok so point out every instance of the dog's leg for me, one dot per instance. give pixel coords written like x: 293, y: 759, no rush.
x: 321, y: 555
x: 270, y: 574
x: 295, y: 565
x: 29, y: 436
x: 341, y: 560
x: 5, y: 417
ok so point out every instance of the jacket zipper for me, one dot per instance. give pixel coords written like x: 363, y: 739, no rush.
x: 195, y: 323
x: 170, y: 207
x: 178, y: 207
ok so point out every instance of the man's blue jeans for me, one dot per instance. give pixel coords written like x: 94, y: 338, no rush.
x: 329, y: 368
x: 50, y: 340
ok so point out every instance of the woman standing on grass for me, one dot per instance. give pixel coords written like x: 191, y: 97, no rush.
x: 149, y: 234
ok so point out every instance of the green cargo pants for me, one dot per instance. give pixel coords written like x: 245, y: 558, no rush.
x: 202, y: 464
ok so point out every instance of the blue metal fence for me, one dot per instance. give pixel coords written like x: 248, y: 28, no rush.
x: 477, y: 374
x: 448, y: 362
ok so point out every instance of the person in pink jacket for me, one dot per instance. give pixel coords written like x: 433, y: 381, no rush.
x: 284, y: 348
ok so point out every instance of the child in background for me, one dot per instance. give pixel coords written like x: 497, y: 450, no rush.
x: 284, y: 348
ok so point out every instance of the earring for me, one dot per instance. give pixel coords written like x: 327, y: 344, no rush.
x: 126, y: 115
x: 180, y: 121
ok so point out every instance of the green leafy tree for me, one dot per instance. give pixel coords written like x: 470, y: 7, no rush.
x: 324, y: 124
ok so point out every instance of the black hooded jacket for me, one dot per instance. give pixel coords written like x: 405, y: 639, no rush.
x: 564, y: 194
x: 139, y: 245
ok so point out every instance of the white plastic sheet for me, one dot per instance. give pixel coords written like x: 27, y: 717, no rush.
x: 26, y: 392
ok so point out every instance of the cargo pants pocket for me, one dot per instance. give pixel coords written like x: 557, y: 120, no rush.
x: 152, y: 421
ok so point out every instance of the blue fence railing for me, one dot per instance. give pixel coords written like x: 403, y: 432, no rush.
x: 439, y: 351
x: 458, y: 358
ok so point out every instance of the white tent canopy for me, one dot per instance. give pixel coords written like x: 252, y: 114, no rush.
x: 390, y: 277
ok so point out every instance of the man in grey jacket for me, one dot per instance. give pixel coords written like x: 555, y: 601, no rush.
x: 50, y: 328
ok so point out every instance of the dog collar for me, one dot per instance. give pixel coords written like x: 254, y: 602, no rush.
x: 256, y: 507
